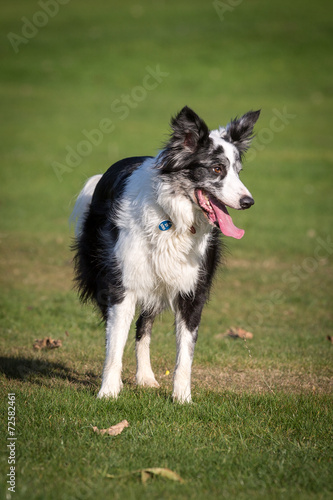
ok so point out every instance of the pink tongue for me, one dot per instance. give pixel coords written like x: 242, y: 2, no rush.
x: 224, y: 220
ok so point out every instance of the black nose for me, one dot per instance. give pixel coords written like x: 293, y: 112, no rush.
x: 246, y: 202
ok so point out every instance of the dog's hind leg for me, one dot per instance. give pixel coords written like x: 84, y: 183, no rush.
x: 118, y: 323
x: 144, y: 372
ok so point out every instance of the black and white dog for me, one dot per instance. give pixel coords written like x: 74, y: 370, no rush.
x: 147, y: 235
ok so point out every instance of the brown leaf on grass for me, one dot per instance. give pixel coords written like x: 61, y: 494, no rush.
x: 147, y: 474
x: 330, y: 338
x: 237, y: 332
x: 47, y: 343
x: 114, y: 430
x: 158, y: 471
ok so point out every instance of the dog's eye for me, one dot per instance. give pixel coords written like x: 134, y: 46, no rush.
x: 217, y: 170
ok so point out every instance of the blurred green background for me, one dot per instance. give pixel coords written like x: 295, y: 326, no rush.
x: 220, y: 58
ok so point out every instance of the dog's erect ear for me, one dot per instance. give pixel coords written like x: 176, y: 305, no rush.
x: 239, y: 131
x: 189, y: 130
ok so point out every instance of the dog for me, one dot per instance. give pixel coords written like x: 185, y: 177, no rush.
x: 148, y: 236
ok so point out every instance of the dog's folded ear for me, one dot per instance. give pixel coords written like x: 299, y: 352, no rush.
x: 189, y: 130
x: 240, y: 130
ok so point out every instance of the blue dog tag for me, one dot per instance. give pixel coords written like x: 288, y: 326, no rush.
x: 165, y: 225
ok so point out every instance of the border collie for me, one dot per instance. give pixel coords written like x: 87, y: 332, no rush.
x: 147, y: 235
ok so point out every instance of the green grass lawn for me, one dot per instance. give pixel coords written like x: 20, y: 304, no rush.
x: 260, y: 425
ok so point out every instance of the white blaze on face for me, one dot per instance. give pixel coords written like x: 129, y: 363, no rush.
x: 233, y: 189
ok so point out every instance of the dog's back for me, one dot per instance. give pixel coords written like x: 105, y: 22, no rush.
x: 97, y: 274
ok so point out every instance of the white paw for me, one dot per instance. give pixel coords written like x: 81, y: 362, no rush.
x: 147, y: 381
x: 109, y: 390
x: 181, y: 398
x: 181, y: 392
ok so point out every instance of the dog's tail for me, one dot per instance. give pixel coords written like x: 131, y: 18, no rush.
x: 82, y: 204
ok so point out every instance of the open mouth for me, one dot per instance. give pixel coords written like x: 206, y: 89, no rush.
x: 217, y: 214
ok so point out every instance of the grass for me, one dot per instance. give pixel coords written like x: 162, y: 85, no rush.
x: 224, y: 446
x: 260, y: 425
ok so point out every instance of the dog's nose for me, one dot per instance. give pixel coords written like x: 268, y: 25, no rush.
x: 246, y: 202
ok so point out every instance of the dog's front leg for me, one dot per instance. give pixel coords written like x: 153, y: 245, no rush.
x: 117, y: 326
x: 185, y: 339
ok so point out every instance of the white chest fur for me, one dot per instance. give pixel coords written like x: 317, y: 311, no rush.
x: 158, y: 265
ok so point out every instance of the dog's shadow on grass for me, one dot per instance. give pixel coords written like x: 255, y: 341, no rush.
x: 41, y: 372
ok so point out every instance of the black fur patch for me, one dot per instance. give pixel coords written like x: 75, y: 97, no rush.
x: 189, y: 140
x: 144, y: 326
x: 240, y: 130
x: 191, y: 306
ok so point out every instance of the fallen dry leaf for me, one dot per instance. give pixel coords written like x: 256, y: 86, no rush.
x: 158, y: 471
x: 330, y: 338
x: 114, y: 430
x: 147, y: 474
x: 47, y: 343
x: 239, y: 332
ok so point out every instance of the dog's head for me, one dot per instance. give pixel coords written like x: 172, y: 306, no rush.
x: 210, y: 164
